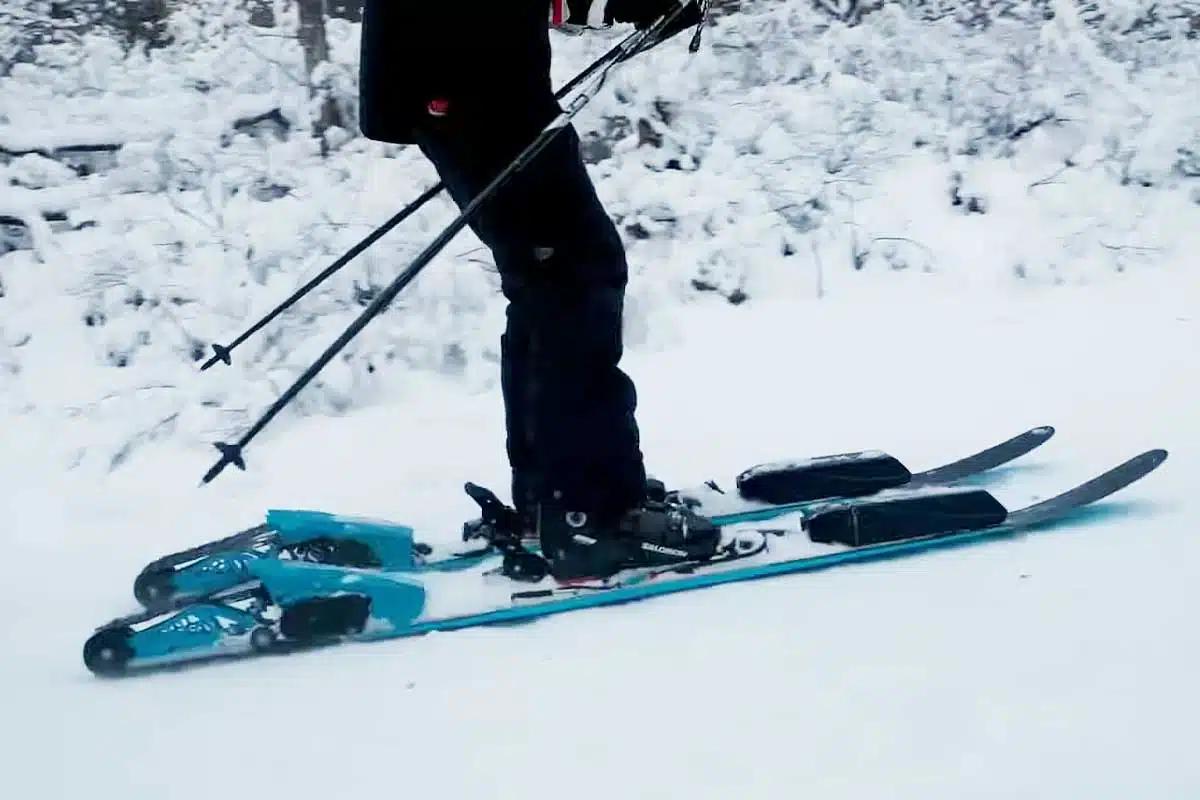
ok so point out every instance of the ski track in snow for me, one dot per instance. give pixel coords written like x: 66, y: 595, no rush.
x: 1058, y: 664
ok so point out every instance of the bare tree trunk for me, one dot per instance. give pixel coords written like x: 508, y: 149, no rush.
x: 262, y: 13
x: 316, y: 52
x: 141, y: 22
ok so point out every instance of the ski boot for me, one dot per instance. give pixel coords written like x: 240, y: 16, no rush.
x: 661, y: 532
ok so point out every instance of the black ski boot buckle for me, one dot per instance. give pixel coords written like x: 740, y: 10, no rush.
x: 501, y: 527
x: 498, y: 524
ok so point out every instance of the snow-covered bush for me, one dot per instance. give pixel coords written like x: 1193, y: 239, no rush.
x: 25, y: 24
x: 854, y: 142
x: 993, y: 143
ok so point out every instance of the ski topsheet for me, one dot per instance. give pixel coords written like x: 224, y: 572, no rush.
x: 352, y: 542
x: 299, y: 604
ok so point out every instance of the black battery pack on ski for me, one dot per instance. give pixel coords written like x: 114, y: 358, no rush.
x: 913, y: 517
x: 847, y: 475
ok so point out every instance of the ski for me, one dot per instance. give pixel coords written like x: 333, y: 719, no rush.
x: 335, y: 540
x: 985, y: 460
x: 296, y: 605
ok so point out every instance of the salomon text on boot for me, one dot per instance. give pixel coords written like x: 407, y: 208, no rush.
x: 657, y: 533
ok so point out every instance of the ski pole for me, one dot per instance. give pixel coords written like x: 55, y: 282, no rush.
x: 233, y: 453
x: 222, y: 353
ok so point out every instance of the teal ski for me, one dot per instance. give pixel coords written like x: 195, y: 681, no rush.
x: 764, y: 492
x: 297, y: 605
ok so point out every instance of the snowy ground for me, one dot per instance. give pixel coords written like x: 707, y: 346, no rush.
x: 1056, y: 665
x: 945, y: 237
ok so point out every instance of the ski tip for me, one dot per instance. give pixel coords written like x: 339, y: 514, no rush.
x: 1153, y: 458
x: 1043, y: 432
x: 1139, y: 466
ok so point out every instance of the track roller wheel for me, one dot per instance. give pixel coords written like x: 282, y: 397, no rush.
x: 263, y: 639
x: 525, y: 567
x: 108, y: 652
x: 325, y: 617
x: 154, y: 588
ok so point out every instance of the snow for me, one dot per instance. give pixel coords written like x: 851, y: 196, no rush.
x: 22, y: 139
x: 1056, y: 664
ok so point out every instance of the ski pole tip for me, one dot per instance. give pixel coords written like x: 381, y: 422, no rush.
x: 220, y: 355
x: 230, y: 454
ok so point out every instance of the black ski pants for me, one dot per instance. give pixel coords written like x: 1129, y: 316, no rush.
x: 572, y: 437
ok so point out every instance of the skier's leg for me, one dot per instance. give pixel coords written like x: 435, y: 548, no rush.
x: 571, y: 430
x: 572, y: 438
x: 574, y: 405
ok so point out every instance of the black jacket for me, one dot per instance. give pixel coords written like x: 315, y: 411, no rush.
x: 479, y: 62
